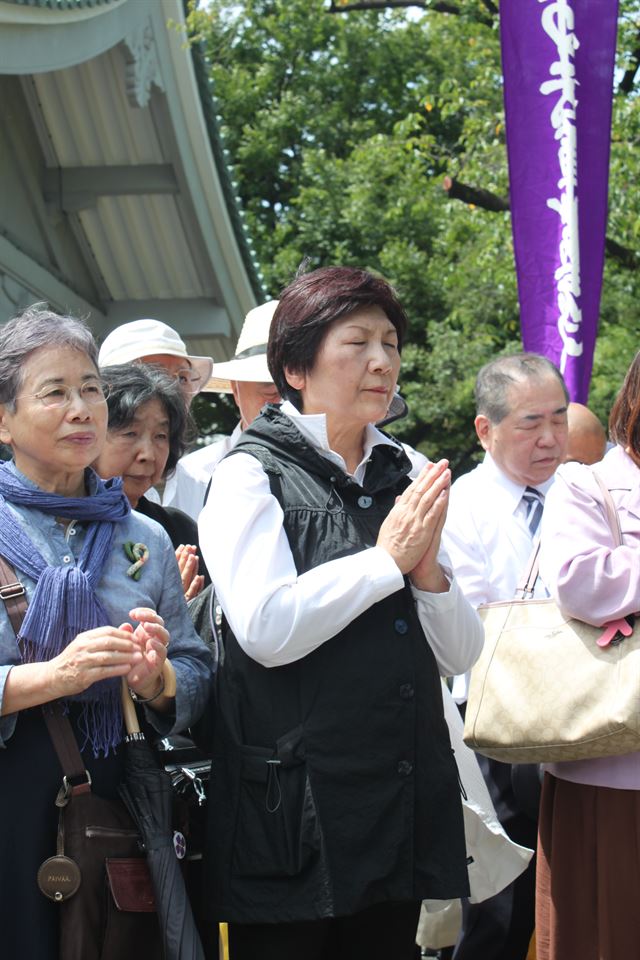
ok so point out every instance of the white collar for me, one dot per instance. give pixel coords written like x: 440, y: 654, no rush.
x: 235, y: 436
x: 507, y: 493
x: 313, y: 426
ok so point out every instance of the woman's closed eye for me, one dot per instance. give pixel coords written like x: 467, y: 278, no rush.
x: 92, y: 390
x: 54, y: 393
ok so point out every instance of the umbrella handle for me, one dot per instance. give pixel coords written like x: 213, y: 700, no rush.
x: 128, y: 706
x: 169, y: 675
x: 129, y: 710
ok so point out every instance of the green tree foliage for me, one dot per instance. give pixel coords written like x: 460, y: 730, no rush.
x: 343, y: 127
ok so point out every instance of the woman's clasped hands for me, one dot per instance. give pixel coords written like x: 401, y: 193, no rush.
x: 412, y: 530
x: 188, y: 562
x: 137, y: 653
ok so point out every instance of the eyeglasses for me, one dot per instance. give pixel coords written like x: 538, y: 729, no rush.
x: 91, y: 391
x: 188, y: 379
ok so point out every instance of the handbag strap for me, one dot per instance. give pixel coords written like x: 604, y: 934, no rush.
x: 612, y: 514
x: 13, y: 595
x: 527, y: 582
x: 76, y: 778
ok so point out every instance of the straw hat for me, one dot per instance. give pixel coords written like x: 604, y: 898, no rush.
x: 250, y: 359
x: 146, y: 338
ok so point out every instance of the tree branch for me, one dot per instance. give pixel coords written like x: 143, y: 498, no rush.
x: 491, y: 7
x: 486, y: 200
x: 625, y: 257
x: 441, y: 6
x: 473, y: 195
x: 629, y: 76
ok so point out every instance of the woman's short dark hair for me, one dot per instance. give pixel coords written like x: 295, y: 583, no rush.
x: 624, y: 419
x: 309, y: 306
x: 133, y: 384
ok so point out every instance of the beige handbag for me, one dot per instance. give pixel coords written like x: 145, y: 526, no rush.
x: 550, y: 688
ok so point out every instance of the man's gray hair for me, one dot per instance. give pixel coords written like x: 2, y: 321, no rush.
x: 37, y: 326
x: 497, y: 376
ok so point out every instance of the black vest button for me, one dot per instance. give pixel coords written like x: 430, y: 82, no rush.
x: 401, y: 626
x: 405, y: 768
x: 407, y: 692
x: 365, y: 502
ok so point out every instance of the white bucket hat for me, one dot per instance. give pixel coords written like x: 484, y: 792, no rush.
x: 250, y: 359
x: 145, y: 338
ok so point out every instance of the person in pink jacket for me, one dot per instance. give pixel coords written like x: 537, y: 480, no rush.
x: 588, y: 880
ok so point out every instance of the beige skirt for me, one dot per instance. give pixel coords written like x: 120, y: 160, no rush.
x: 588, y: 872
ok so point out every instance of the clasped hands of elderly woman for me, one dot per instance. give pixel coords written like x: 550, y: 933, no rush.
x: 138, y: 654
x: 411, y: 531
x: 188, y: 561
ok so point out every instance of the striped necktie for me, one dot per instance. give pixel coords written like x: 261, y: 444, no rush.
x: 535, y: 503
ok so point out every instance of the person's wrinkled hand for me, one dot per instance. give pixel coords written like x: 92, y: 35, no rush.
x: 97, y: 654
x: 411, y: 532
x: 151, y: 639
x: 188, y: 562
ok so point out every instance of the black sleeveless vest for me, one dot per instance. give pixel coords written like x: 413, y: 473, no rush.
x: 335, y: 786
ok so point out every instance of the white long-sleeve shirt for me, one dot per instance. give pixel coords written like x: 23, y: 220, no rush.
x: 187, y: 486
x: 487, y: 539
x: 279, y: 617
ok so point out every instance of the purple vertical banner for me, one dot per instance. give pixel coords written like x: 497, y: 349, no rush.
x: 557, y: 61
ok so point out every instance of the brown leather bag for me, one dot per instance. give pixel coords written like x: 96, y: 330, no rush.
x: 113, y: 913
x: 99, y: 874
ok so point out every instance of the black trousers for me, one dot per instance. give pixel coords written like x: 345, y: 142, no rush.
x: 501, y: 927
x: 386, y: 931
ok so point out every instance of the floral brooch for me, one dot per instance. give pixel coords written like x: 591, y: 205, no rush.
x: 137, y: 554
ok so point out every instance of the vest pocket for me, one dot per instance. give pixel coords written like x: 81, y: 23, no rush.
x: 277, y: 830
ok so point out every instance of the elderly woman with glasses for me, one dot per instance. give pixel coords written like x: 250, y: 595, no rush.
x: 69, y: 537
x: 146, y: 432
x: 335, y: 806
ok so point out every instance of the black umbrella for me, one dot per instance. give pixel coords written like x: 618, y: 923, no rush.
x: 147, y: 793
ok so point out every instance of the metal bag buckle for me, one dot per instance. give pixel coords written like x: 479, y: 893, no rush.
x: 11, y: 590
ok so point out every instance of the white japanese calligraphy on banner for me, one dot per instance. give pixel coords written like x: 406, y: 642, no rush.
x: 558, y: 24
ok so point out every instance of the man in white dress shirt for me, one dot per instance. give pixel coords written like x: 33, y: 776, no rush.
x: 247, y: 377
x: 492, y: 525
